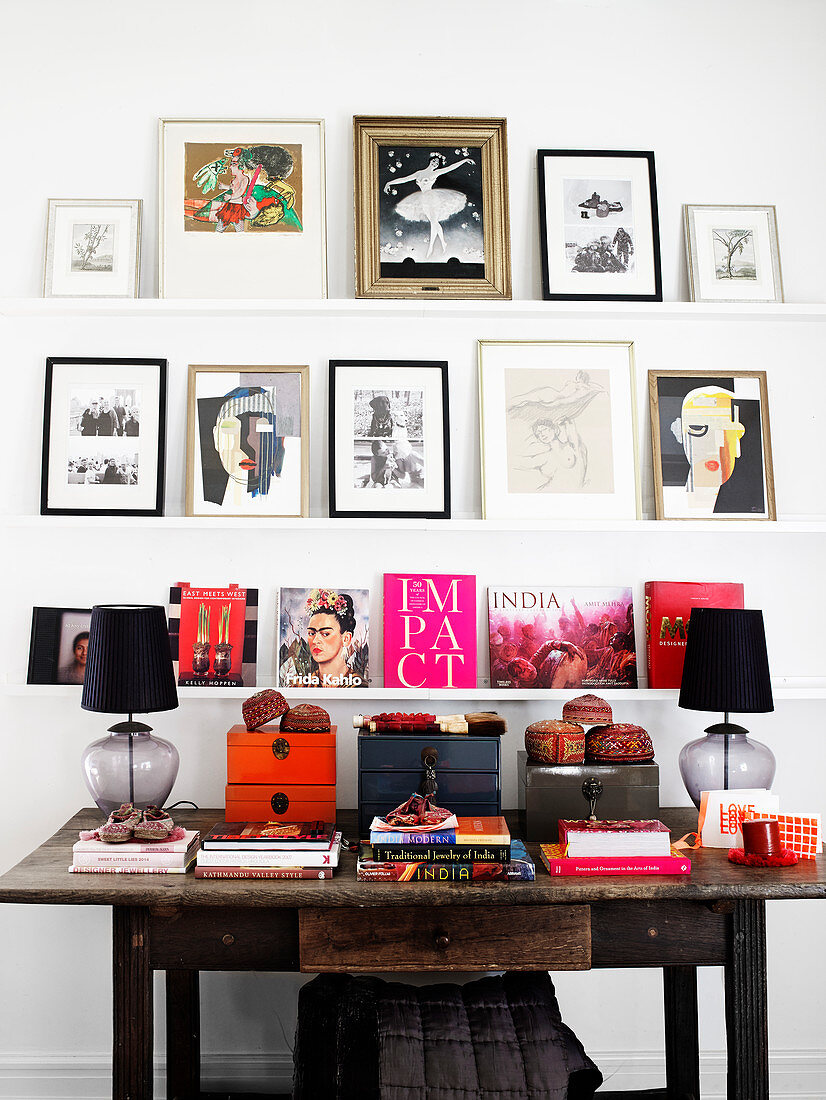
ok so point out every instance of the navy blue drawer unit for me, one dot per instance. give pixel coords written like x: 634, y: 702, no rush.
x: 391, y: 768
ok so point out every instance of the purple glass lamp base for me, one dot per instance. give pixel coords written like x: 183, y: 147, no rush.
x: 725, y: 759
x: 130, y: 766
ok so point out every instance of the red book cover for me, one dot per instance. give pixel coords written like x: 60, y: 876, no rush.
x: 668, y: 607
x: 429, y: 630
x: 270, y: 834
x: 557, y: 863
x: 614, y: 838
x: 213, y: 635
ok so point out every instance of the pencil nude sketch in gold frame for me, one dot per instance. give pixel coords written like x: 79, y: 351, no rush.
x: 247, y: 450
x: 431, y: 207
x: 711, y: 444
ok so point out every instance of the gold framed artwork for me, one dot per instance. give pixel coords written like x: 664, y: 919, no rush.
x: 431, y: 207
x: 247, y: 450
x: 242, y: 209
x: 711, y: 445
x: 559, y: 429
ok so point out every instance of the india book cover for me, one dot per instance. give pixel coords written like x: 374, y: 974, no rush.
x: 429, y: 630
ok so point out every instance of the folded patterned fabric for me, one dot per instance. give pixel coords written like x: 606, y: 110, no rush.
x: 501, y: 1038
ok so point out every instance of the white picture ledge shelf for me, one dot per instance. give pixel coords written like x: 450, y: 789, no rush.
x: 798, y: 525
x: 784, y: 689
x: 524, y: 309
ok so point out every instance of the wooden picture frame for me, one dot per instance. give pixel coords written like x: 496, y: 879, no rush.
x: 248, y: 441
x: 389, y: 439
x: 546, y: 410
x: 598, y: 225
x: 261, y: 182
x: 92, y: 248
x: 733, y: 254
x: 104, y: 437
x: 431, y: 207
x: 711, y: 445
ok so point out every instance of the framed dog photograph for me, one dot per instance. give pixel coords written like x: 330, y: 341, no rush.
x: 711, y: 445
x: 389, y: 441
x: 599, y: 231
x: 431, y: 208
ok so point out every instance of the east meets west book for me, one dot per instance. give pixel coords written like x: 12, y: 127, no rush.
x: 213, y: 635
x: 562, y: 637
x: 429, y: 630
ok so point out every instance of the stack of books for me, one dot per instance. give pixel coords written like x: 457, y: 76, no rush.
x: 614, y: 848
x: 476, y: 849
x: 269, y: 849
x: 147, y: 857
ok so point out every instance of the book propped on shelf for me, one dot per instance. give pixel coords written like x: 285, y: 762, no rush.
x: 275, y: 835
x: 557, y: 863
x: 213, y: 635
x: 668, y: 606
x: 614, y: 838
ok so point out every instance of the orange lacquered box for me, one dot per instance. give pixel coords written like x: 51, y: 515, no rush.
x: 280, y: 776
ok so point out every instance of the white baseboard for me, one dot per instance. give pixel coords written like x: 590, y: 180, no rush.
x: 795, y: 1074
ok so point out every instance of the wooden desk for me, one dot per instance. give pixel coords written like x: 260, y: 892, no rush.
x: 182, y: 925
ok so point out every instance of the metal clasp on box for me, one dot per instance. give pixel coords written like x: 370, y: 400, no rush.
x: 281, y: 748
x: 280, y: 803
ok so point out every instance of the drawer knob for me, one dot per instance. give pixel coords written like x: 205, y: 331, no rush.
x: 228, y: 940
x: 280, y: 803
x: 441, y: 940
x: 281, y: 748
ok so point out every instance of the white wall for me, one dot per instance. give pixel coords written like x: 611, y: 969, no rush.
x: 724, y: 94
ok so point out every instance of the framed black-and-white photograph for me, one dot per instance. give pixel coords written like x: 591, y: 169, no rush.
x: 92, y: 248
x: 104, y: 431
x: 389, y: 444
x: 733, y: 254
x: 431, y: 208
x: 599, y: 231
x: 59, y: 645
x: 559, y: 429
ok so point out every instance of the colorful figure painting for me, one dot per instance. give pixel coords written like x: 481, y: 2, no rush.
x: 246, y: 188
x: 247, y: 441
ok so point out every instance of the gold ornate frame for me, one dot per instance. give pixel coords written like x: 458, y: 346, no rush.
x: 490, y: 134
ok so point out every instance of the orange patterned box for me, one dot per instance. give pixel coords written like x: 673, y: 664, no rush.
x: 280, y: 776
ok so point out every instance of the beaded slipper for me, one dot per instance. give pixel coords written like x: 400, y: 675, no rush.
x: 120, y: 826
x: 154, y: 824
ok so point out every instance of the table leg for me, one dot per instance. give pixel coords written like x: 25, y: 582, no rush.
x: 682, y: 1038
x: 747, y: 1028
x: 183, y: 1022
x: 132, y: 1004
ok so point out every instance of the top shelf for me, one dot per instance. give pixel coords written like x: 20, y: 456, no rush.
x: 525, y: 309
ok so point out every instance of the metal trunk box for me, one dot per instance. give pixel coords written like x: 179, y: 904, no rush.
x: 548, y: 792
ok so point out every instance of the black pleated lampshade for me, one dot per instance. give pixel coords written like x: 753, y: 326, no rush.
x: 726, y: 664
x: 129, y: 666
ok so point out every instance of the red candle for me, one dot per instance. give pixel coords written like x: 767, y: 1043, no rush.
x: 762, y: 837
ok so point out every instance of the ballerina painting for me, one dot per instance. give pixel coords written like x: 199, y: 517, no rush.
x: 431, y: 211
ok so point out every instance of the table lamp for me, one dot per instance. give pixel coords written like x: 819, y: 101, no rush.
x: 726, y: 669
x: 129, y: 670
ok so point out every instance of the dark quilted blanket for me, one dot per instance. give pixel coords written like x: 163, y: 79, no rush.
x: 499, y: 1038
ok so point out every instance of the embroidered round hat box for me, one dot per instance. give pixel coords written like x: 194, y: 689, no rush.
x: 554, y: 742
x: 618, y: 743
x: 263, y: 707
x: 306, y: 718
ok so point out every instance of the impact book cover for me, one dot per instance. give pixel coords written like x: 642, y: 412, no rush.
x: 429, y: 630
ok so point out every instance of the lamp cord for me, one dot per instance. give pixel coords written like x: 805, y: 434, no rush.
x: 131, y: 766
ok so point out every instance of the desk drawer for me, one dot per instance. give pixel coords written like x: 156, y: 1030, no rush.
x: 478, y: 937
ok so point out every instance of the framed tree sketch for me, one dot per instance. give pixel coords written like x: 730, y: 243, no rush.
x: 599, y: 231
x: 389, y: 439
x: 431, y: 208
x: 711, y: 445
x: 242, y: 212
x: 104, y: 433
x: 733, y: 254
x: 247, y: 451
x: 92, y: 248
x: 559, y: 430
